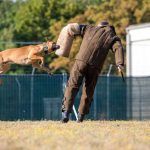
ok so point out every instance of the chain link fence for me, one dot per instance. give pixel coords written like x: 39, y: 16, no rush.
x: 39, y: 97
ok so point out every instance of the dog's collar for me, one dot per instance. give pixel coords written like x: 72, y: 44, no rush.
x: 45, y: 48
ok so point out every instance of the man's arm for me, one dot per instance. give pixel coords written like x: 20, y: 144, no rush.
x: 117, y: 48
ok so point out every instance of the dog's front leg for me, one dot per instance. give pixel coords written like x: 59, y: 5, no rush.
x: 4, y: 68
x: 38, y: 59
x: 36, y: 64
x: 46, y: 69
x: 41, y: 62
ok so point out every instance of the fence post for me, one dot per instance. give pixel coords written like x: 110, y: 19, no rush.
x: 95, y: 103
x: 19, y: 95
x: 32, y: 94
x: 108, y: 90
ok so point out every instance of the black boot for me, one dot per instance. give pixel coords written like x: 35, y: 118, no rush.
x: 80, y: 118
x: 65, y: 117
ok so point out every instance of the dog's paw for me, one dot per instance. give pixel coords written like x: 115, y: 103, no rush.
x: 41, y: 65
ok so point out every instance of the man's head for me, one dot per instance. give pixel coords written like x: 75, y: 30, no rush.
x: 103, y: 23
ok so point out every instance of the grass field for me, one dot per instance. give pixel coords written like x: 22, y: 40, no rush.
x: 90, y: 135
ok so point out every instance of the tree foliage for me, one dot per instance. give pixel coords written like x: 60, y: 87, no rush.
x: 32, y: 20
x: 7, y: 13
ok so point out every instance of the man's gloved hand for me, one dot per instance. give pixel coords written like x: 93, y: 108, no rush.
x: 120, y: 68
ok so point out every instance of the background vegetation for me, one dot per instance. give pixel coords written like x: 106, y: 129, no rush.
x: 33, y: 20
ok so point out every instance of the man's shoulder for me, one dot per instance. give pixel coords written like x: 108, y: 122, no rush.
x: 90, y: 26
x: 111, y: 28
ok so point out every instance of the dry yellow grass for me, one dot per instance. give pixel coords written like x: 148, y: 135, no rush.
x: 90, y: 135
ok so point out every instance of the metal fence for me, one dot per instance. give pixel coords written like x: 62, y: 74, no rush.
x: 37, y: 97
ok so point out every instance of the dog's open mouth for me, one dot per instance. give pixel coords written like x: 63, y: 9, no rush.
x: 55, y: 47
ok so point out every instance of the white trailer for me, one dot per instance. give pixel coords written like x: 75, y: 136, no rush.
x: 138, y: 50
x: 138, y: 68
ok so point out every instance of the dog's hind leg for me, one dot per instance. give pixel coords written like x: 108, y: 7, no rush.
x: 4, y: 68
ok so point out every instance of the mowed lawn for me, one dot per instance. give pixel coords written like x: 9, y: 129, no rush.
x: 90, y: 135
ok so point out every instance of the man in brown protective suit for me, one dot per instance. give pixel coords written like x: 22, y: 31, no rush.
x: 97, y: 40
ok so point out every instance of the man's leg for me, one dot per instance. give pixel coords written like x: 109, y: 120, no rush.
x: 87, y: 92
x: 73, y: 85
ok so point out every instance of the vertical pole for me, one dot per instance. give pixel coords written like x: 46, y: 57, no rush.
x: 64, y: 81
x: 19, y: 95
x: 108, y: 90
x: 75, y: 112
x: 32, y: 95
x: 95, y: 103
x: 129, y: 74
x: 129, y: 54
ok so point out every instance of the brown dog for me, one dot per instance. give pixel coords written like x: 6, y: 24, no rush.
x: 32, y: 54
